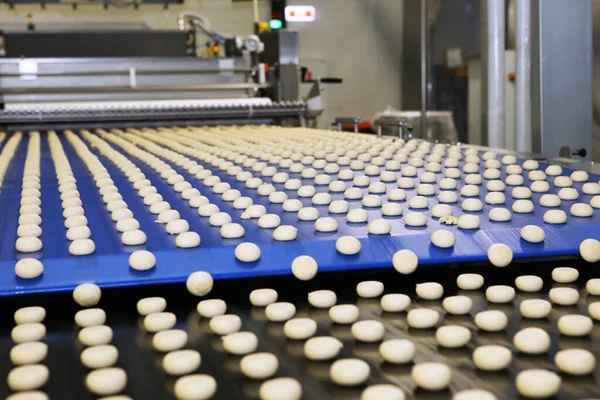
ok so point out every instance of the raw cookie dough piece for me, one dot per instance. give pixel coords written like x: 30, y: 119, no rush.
x: 469, y: 281
x: 500, y: 255
x: 555, y: 217
x: 523, y: 206
x: 533, y: 234
x: 492, y: 357
x: 499, y: 214
x: 349, y: 372
x: 537, y: 383
x: 432, y: 376
x: 443, y: 238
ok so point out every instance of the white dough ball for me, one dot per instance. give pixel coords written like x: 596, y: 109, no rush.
x: 304, y: 268
x: 87, y: 294
x: 349, y: 372
x: 537, y: 383
x: 432, y: 376
x: 575, y: 361
x: 533, y: 234
x: 29, y: 268
x: 529, y: 283
x: 263, y: 297
x: 492, y: 357
x: 452, y: 336
x: 469, y: 281
x: 500, y: 255
x: 322, y: 348
x: 532, y: 341
x: 535, y: 308
x: 247, y: 252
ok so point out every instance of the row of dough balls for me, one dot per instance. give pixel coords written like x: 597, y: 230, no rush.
x: 7, y: 154
x: 131, y: 232
x: 126, y: 224
x: 115, y: 205
x: 28, y: 354
x: 242, y: 343
x: 217, y: 218
x: 75, y: 220
x: 174, y: 224
x: 176, y: 361
x: 30, y: 219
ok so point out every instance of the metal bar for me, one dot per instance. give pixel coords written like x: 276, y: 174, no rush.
x: 120, y: 89
x: 126, y: 72
x: 424, y: 29
x: 523, y: 75
x: 495, y: 38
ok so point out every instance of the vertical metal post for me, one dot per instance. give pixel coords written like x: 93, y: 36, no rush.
x: 496, y: 72
x: 523, y: 75
x: 424, y: 29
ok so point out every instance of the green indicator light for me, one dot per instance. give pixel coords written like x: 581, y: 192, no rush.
x: 275, y: 24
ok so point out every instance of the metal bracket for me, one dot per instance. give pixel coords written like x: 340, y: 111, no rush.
x: 401, y: 124
x: 340, y: 121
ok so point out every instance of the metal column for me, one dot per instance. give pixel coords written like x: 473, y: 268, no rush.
x: 424, y: 29
x: 496, y: 71
x: 562, y: 80
x: 523, y: 75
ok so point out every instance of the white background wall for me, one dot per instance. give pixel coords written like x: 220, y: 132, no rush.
x: 357, y: 40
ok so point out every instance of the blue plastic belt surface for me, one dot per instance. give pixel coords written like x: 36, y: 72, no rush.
x: 108, y: 266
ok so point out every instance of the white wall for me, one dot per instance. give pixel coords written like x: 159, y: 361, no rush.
x: 358, y: 40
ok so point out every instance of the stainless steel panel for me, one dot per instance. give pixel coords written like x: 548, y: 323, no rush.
x: 562, y: 79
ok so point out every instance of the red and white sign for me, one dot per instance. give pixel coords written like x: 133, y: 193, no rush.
x: 299, y: 13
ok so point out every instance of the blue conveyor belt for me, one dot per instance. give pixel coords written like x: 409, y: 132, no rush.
x: 108, y: 267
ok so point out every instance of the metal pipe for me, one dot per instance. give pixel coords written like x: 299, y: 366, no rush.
x: 495, y: 98
x: 523, y: 75
x: 255, y: 10
x: 424, y: 29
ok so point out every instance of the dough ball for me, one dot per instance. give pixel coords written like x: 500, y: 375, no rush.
x: 492, y: 357
x: 500, y: 255
x: 529, y: 283
x: 405, y: 261
x: 247, y: 252
x: 469, y: 281
x: 199, y: 283
x: 304, y: 268
x: 280, y: 389
x: 87, y: 294
x: 348, y: 245
x: 349, y: 372
x: 555, y: 217
x: 452, y: 336
x: 142, y: 260
x: 537, y: 383
x: 533, y: 234
x: 432, y: 376
x: 535, y: 308
x: 29, y: 268
x: 443, y: 238
x: 589, y: 250
x: 575, y: 361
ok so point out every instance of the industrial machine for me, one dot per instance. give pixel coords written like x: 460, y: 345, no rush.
x: 117, y: 77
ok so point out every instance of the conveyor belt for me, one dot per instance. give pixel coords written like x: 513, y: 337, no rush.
x: 108, y: 266
x: 146, y: 379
